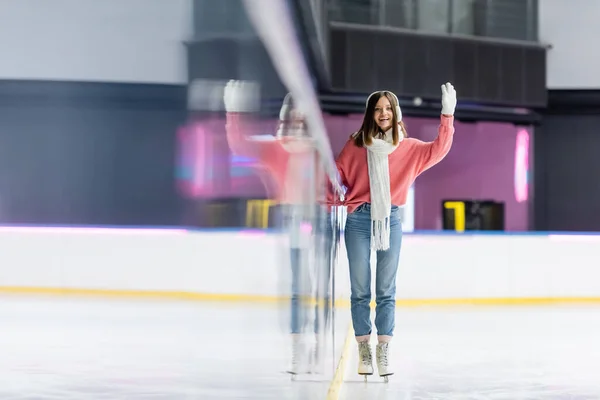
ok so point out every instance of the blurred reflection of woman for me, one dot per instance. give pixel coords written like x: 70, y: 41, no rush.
x: 287, y: 160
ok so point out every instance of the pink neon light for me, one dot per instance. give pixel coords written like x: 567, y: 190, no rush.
x: 193, y: 156
x: 184, y: 153
x: 200, y: 159
x: 95, y: 231
x: 521, y: 166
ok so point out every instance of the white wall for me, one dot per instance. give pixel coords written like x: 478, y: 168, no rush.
x: 95, y: 40
x: 572, y: 28
x: 432, y: 267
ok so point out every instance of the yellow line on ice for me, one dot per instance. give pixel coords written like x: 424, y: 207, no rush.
x: 253, y: 298
x: 141, y: 294
x: 335, y: 387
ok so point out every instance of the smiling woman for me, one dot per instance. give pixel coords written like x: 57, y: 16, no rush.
x: 378, y: 166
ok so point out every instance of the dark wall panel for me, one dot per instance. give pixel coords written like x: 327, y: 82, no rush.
x: 511, y: 70
x: 89, y: 153
x: 413, y: 81
x: 362, y: 56
x: 337, y: 58
x: 440, y: 58
x: 485, y: 72
x: 567, y: 168
x: 488, y: 72
x: 534, y: 76
x: 395, y: 61
x: 464, y: 65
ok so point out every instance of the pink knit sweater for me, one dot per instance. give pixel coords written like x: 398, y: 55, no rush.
x: 409, y: 160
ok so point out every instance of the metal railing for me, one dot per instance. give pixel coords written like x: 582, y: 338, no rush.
x: 505, y: 19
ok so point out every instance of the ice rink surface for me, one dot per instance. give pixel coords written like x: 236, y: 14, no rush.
x: 73, y: 348
x: 504, y: 353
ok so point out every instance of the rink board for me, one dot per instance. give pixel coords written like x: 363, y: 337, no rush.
x: 435, y: 269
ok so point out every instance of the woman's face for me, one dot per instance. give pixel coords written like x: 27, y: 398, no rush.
x: 383, y: 114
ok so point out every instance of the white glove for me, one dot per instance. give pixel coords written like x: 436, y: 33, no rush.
x: 448, y: 99
x: 241, y: 96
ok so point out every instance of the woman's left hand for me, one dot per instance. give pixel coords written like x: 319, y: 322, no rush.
x: 448, y: 99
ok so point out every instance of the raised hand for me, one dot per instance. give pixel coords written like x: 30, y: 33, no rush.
x: 241, y: 96
x: 448, y: 99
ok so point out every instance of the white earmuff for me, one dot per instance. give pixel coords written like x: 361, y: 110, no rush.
x: 398, y: 111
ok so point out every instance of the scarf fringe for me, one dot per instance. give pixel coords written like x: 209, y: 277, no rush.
x: 380, y: 234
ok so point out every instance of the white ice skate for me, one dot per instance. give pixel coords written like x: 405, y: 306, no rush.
x: 365, y: 359
x: 383, y: 366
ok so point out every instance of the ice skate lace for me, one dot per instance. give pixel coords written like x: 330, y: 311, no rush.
x: 365, y: 353
x: 383, y: 355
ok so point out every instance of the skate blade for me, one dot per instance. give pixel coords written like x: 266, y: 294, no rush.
x: 384, y: 379
x: 365, y: 376
x: 362, y: 382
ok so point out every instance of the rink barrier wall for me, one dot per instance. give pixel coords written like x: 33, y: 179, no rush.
x: 436, y: 269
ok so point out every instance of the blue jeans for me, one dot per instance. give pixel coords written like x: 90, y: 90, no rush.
x: 358, y: 246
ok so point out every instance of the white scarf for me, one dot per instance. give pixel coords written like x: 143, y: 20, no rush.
x: 379, y: 180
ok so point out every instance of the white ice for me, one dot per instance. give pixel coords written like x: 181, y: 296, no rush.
x: 70, y: 348
x: 511, y: 353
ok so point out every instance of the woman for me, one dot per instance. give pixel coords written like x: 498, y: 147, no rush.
x: 378, y: 165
